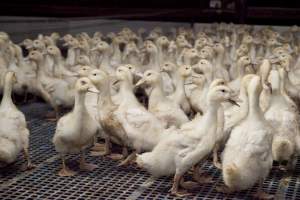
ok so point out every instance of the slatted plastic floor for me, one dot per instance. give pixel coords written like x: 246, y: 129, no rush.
x: 108, y: 181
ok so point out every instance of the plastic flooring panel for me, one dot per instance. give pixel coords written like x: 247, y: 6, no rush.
x: 109, y: 181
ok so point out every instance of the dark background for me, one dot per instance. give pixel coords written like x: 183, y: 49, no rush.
x: 278, y: 12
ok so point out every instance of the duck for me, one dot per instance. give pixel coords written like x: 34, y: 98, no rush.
x: 106, y: 52
x: 143, y: 129
x: 220, y: 70
x: 184, y: 148
x: 106, y: 110
x: 247, y: 157
x: 166, y: 110
x: 55, y: 91
x: 14, y: 134
x: 283, y: 115
x: 59, y: 69
x: 243, y: 63
x: 179, y: 77
x: 76, y: 130
x: 116, y: 58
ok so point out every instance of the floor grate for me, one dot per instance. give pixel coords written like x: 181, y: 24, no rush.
x: 108, y: 181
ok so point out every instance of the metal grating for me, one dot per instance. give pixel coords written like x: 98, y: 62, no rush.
x: 108, y: 181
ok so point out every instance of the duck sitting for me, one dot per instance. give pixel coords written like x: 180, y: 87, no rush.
x: 183, y: 149
x: 168, y: 111
x: 283, y: 115
x: 14, y: 135
x: 107, y: 117
x: 247, y: 158
x: 76, y: 130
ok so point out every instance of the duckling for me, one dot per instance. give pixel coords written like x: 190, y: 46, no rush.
x: 107, y: 116
x: 168, y: 111
x: 184, y: 148
x: 14, y: 135
x: 76, y: 130
x: 283, y: 115
x: 247, y: 158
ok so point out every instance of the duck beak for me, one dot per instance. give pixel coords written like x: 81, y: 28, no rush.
x: 140, y: 82
x: 93, y: 90
x: 270, y: 87
x: 74, y: 75
x: 233, y: 102
x: 115, y: 82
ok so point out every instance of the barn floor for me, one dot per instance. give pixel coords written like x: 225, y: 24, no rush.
x: 108, y: 181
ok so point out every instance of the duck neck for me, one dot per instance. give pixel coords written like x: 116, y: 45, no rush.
x: 154, y: 61
x: 126, y: 92
x: 241, y: 70
x: 79, y: 106
x: 105, y: 96
x: 211, y: 115
x: 117, y: 51
x: 6, y: 99
x: 156, y: 95
x: 254, y: 109
x: 219, y: 59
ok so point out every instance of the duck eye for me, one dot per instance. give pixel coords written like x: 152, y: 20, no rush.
x: 83, y: 82
x: 223, y: 91
x: 95, y: 74
x: 130, y: 67
x: 149, y: 74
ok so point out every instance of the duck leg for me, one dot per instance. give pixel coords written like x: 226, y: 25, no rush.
x: 117, y: 156
x: 97, y: 151
x: 260, y: 194
x: 28, y: 165
x: 175, y: 187
x: 216, y: 162
x: 202, y: 179
x: 65, y: 171
x: 128, y: 160
x: 83, y: 165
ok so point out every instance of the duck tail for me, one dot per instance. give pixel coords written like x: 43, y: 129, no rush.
x: 232, y: 174
x: 282, y: 149
x: 7, y: 151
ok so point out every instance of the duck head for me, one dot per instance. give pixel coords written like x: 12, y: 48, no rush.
x: 123, y: 74
x: 84, y: 70
x: 84, y: 85
x: 168, y: 67
x: 99, y: 78
x: 220, y: 93
x: 185, y: 71
x: 150, y: 78
x: 53, y: 50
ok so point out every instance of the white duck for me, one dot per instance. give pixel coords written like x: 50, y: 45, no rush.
x: 283, y: 115
x: 143, y: 129
x: 247, y: 157
x: 76, y: 130
x: 179, y: 76
x: 107, y: 117
x: 184, y: 148
x: 165, y: 109
x: 14, y: 135
x: 55, y: 91
x: 242, y: 64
